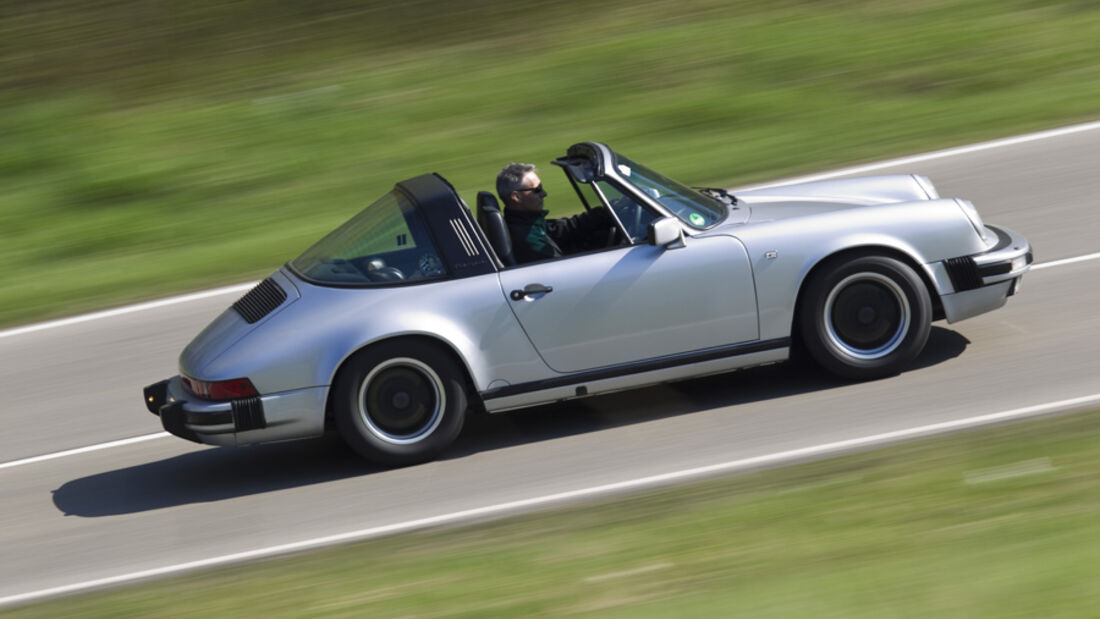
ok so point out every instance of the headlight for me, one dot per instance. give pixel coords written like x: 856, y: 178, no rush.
x: 926, y: 184
x: 973, y: 216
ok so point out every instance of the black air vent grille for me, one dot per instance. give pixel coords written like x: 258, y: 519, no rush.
x: 248, y: 414
x: 964, y: 273
x: 260, y: 301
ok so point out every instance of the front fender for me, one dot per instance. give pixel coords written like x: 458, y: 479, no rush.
x: 783, y: 252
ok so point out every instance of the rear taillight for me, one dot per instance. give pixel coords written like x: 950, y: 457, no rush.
x: 220, y: 389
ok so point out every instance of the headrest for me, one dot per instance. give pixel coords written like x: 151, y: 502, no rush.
x: 486, y: 200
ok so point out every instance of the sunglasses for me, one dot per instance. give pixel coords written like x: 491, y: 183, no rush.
x: 534, y: 189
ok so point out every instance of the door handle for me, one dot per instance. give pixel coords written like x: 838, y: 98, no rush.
x: 529, y: 290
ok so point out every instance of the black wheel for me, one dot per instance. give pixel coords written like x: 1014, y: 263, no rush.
x: 865, y: 317
x: 400, y: 402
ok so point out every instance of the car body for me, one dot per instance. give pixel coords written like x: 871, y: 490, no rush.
x: 396, y: 323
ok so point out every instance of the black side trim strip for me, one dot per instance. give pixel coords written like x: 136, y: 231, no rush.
x: 637, y: 367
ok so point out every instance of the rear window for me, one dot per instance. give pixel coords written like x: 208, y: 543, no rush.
x: 386, y: 243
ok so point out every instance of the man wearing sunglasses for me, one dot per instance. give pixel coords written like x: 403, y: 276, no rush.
x: 534, y: 237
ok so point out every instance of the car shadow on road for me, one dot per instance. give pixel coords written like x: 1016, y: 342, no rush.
x: 215, y: 474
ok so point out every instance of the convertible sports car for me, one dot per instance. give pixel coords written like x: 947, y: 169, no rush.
x: 399, y: 321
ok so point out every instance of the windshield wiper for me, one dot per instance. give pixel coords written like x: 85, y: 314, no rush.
x: 720, y: 194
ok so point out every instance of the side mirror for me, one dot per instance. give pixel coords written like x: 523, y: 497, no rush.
x: 666, y: 232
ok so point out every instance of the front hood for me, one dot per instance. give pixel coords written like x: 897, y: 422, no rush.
x: 804, y: 199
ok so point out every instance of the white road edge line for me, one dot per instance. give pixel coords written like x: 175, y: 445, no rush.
x: 81, y: 450
x: 1058, y: 263
x: 128, y: 309
x: 511, y: 506
x: 138, y: 439
x: 936, y: 154
x: 889, y: 163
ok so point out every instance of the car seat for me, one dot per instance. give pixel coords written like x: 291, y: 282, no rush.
x: 491, y: 221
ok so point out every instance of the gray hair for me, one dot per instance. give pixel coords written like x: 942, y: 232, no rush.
x: 511, y: 178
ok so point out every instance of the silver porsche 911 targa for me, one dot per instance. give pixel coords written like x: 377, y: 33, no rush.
x: 399, y: 321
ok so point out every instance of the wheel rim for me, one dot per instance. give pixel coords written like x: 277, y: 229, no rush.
x: 867, y: 316
x: 401, y: 401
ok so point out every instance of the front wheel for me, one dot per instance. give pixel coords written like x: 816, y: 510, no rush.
x: 866, y: 317
x: 400, y: 402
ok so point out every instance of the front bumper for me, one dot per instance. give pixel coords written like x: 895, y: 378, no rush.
x: 978, y: 283
x: 244, y: 421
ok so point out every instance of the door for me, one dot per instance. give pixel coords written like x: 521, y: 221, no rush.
x: 635, y: 303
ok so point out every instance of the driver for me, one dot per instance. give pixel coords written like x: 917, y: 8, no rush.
x: 534, y: 237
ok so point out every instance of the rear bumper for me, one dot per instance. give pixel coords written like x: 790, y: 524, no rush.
x: 983, y: 282
x: 244, y: 421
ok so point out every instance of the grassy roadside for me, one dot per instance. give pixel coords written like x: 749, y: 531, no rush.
x: 990, y: 523
x: 149, y: 149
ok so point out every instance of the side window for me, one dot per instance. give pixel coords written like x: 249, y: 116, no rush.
x: 634, y: 216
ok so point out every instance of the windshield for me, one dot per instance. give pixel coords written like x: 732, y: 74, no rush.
x: 695, y: 209
x: 386, y: 243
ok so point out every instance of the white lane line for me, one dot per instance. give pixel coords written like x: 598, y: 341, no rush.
x: 889, y: 163
x: 81, y: 450
x: 937, y: 154
x: 626, y: 573
x: 138, y: 439
x: 500, y: 509
x: 1009, y: 471
x: 1058, y: 263
x: 129, y: 309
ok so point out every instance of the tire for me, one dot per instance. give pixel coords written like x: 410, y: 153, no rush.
x: 400, y: 402
x: 865, y: 317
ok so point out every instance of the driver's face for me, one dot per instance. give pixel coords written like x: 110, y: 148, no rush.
x: 529, y: 196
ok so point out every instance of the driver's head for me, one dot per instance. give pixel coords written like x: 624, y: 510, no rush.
x: 520, y: 187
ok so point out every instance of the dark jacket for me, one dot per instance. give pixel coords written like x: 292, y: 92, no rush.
x: 534, y: 237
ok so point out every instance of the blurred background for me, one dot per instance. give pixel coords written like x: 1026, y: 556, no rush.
x: 150, y: 147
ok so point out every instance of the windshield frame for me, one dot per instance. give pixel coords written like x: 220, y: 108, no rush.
x: 605, y: 161
x: 716, y: 209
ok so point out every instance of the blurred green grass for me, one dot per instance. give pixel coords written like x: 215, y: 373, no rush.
x: 997, y: 522
x: 154, y: 147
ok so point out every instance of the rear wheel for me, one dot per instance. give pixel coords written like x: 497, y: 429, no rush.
x: 400, y: 402
x: 865, y: 317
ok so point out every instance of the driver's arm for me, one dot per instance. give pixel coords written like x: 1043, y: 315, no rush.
x: 570, y: 230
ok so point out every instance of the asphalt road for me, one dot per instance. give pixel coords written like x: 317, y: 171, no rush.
x: 164, y: 501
